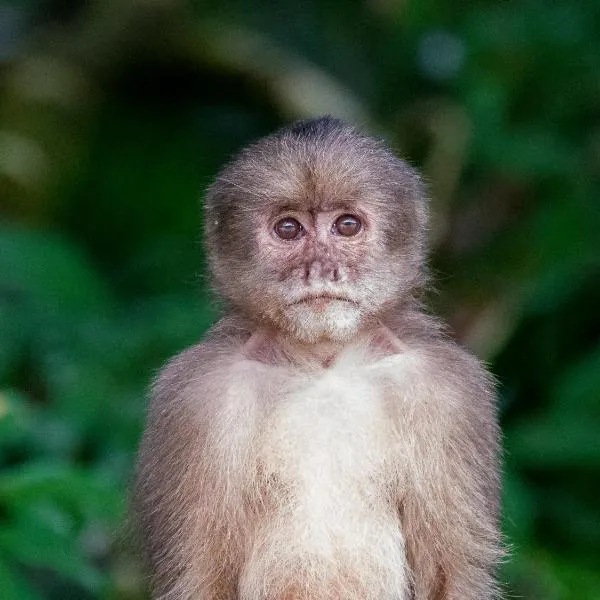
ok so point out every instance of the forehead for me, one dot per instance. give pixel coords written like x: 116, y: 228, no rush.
x: 317, y: 193
x: 298, y: 179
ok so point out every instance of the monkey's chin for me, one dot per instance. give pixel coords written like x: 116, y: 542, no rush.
x: 338, y: 321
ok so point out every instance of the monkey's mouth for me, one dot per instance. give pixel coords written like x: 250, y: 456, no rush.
x: 322, y: 300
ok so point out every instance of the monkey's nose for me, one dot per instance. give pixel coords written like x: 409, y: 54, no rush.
x: 320, y: 271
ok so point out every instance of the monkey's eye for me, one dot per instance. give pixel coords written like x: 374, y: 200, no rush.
x: 288, y: 229
x: 347, y: 225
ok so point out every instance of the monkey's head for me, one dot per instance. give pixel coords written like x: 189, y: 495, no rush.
x: 316, y: 229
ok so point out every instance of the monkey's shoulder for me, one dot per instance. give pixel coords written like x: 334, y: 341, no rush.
x: 438, y: 366
x: 421, y: 340
x: 197, y: 366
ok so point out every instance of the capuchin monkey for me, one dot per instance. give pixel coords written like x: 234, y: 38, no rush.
x: 326, y: 440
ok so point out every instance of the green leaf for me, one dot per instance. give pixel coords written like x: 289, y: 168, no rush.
x: 519, y: 510
x: 14, y: 587
x: 36, y: 543
x: 78, y: 492
x: 16, y: 420
x: 578, y: 388
x: 42, y: 271
x: 549, y: 443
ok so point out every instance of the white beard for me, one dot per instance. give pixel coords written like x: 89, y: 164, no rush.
x: 337, y: 321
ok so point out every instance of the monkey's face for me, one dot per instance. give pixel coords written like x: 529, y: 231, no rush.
x: 315, y: 236
x: 312, y: 269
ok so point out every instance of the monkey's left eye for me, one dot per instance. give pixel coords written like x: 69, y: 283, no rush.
x: 288, y: 229
x: 347, y: 225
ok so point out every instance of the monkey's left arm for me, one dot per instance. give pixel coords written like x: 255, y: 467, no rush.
x: 449, y: 510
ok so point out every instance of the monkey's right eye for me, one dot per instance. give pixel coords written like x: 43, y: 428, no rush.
x: 288, y: 229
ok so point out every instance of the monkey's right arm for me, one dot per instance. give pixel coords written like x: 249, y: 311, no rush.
x: 189, y: 514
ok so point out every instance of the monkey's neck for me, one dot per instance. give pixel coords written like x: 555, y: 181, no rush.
x: 273, y: 347
x: 323, y: 352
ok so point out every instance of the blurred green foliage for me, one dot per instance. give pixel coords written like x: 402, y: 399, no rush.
x: 113, y: 117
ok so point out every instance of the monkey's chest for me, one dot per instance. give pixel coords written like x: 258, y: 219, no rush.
x: 322, y: 454
x: 325, y: 441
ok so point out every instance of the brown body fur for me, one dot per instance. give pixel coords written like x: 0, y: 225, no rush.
x: 263, y: 475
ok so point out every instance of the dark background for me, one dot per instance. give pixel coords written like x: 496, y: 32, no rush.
x: 114, y: 115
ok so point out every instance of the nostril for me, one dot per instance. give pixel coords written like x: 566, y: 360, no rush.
x: 318, y: 270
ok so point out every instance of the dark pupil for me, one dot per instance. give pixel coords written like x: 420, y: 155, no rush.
x: 287, y: 229
x: 348, y: 225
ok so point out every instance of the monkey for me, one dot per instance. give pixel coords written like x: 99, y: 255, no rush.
x: 327, y: 439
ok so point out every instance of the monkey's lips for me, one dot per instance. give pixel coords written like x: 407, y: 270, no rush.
x: 322, y: 300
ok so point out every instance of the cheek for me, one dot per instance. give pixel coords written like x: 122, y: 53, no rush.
x: 376, y: 280
x: 401, y: 230
x: 275, y: 259
x: 235, y: 238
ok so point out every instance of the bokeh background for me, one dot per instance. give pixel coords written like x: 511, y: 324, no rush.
x: 114, y: 115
